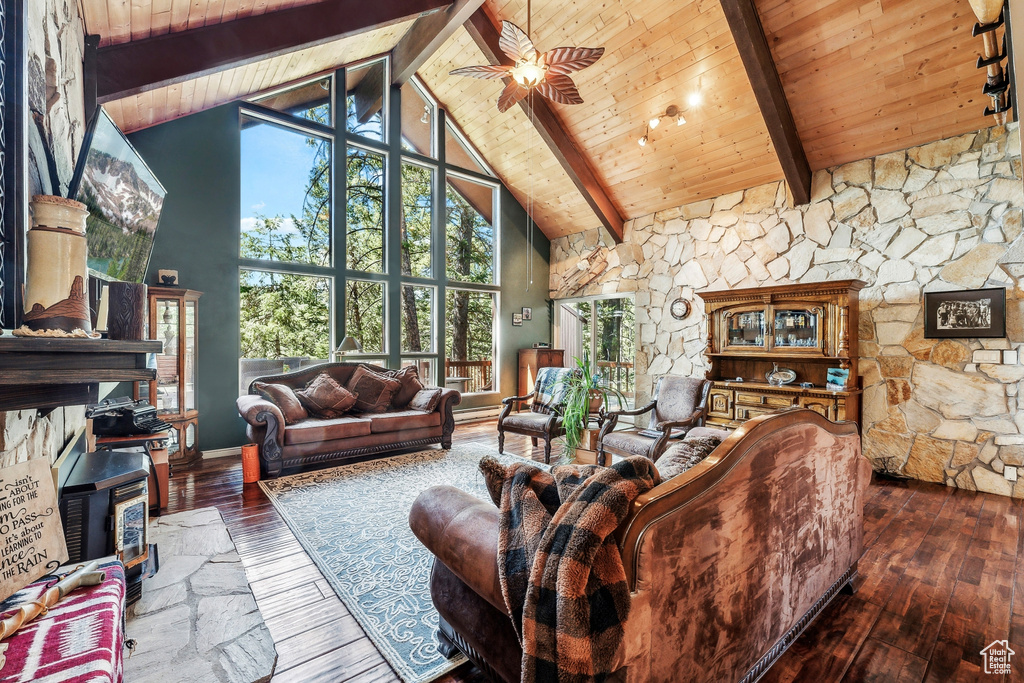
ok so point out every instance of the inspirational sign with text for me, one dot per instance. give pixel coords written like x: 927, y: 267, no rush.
x: 31, y: 537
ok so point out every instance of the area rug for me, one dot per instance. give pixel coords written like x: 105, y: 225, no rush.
x: 353, y: 521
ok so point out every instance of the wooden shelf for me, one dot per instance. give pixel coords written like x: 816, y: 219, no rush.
x: 49, y: 373
x: 784, y: 389
x: 776, y: 356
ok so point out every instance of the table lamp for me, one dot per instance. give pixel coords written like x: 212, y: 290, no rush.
x: 347, y: 345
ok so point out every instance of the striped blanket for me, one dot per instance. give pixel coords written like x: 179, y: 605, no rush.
x: 560, y: 569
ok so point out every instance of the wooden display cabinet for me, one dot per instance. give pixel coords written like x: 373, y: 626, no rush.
x: 174, y: 321
x: 807, y: 328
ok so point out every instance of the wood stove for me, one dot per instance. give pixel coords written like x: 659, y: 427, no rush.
x: 104, y: 507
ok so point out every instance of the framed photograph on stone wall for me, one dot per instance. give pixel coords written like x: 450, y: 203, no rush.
x: 965, y: 314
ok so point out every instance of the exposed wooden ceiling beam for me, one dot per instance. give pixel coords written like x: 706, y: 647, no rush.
x: 748, y: 33
x: 426, y: 36
x: 141, y: 65
x: 485, y: 34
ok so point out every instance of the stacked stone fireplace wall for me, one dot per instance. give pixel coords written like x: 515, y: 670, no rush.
x: 942, y: 216
x: 56, y: 127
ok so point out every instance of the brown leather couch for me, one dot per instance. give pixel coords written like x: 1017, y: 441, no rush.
x: 315, y: 441
x: 727, y: 563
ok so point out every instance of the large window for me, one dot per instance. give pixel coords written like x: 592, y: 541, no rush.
x: 346, y: 232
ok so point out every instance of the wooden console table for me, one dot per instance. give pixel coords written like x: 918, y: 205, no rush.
x: 49, y: 373
x: 807, y: 328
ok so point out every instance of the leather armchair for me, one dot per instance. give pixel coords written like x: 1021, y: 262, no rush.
x: 679, y: 403
x: 542, y: 421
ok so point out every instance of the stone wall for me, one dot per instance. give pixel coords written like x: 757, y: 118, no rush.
x: 943, y: 216
x: 56, y: 126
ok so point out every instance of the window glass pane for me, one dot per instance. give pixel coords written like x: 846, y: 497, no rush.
x: 469, y: 231
x: 615, y: 346
x: 469, y: 339
x: 167, y: 399
x: 456, y: 152
x: 364, y: 314
x: 285, y: 321
x: 418, y: 117
x: 417, y: 203
x: 574, y: 329
x: 417, y: 319
x: 365, y: 211
x: 310, y: 101
x: 425, y: 368
x: 285, y: 194
x: 364, y: 95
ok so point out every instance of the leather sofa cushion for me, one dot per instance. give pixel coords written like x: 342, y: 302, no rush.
x: 409, y: 376
x: 324, y: 397
x: 284, y: 398
x: 316, y: 430
x: 398, y: 420
x: 373, y: 390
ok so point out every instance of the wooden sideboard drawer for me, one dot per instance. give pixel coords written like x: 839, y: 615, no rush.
x: 745, y: 413
x: 765, y: 400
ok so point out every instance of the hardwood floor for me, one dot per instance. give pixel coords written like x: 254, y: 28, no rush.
x: 942, y: 576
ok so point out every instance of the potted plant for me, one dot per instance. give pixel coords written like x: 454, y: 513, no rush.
x: 584, y: 395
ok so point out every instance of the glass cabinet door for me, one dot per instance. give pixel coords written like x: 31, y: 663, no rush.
x: 190, y: 356
x: 167, y: 381
x: 796, y: 328
x: 746, y: 329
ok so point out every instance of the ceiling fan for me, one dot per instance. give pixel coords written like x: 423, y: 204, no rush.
x: 547, y: 73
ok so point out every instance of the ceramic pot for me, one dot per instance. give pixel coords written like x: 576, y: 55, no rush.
x: 55, y: 284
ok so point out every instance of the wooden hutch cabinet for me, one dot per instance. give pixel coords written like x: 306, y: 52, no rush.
x: 807, y: 328
x: 174, y: 321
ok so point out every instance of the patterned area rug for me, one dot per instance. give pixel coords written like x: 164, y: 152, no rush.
x: 354, y: 522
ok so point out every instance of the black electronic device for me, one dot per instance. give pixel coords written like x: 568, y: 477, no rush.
x: 124, y: 417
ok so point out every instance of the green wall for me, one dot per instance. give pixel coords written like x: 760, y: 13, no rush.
x: 197, y: 160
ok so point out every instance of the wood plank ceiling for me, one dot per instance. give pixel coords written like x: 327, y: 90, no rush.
x: 862, y: 77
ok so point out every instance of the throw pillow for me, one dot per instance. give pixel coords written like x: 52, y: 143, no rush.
x: 325, y: 398
x: 494, y: 477
x: 410, y: 379
x: 426, y: 400
x: 684, y: 455
x: 373, y: 390
x: 282, y: 396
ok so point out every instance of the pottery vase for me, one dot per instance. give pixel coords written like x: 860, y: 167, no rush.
x: 55, y: 284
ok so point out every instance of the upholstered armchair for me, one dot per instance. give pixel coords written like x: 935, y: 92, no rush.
x: 544, y: 419
x: 680, y: 403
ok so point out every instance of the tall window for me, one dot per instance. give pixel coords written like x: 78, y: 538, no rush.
x: 400, y: 253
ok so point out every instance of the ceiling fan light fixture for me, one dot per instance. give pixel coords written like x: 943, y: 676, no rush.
x: 528, y: 73
x: 642, y: 141
x: 653, y: 123
x: 680, y: 120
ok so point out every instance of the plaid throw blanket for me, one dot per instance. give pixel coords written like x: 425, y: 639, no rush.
x: 550, y: 389
x: 560, y: 568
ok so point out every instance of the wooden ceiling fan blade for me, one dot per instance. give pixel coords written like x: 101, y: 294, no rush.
x: 512, y: 93
x: 565, y: 60
x: 560, y: 88
x: 515, y: 43
x: 482, y: 71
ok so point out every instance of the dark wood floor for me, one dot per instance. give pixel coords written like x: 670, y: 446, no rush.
x: 941, y: 578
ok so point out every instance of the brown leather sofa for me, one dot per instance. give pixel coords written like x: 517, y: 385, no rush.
x: 727, y: 563
x: 315, y: 441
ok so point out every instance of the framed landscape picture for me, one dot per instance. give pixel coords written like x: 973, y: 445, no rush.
x: 965, y: 314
